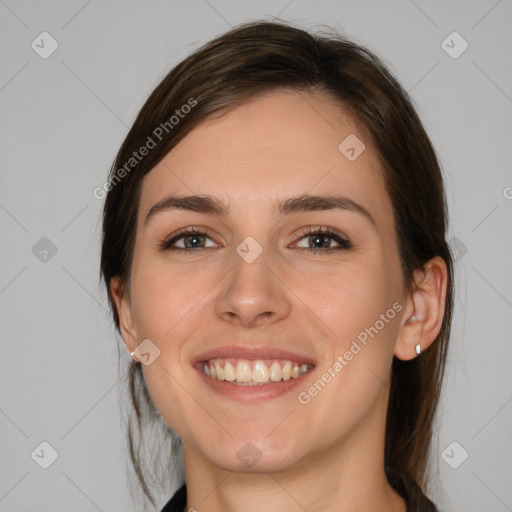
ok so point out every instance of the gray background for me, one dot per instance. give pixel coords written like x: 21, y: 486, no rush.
x: 63, y: 119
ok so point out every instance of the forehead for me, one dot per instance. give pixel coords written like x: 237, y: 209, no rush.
x: 270, y: 147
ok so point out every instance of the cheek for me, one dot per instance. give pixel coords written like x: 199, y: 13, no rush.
x: 358, y: 352
x: 168, y: 389
x: 164, y: 296
x: 350, y: 298
x: 361, y: 310
x: 167, y: 309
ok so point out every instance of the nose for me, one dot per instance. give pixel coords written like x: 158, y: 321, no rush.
x: 253, y: 293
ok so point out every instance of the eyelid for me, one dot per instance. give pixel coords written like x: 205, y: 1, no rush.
x: 180, y: 233
x: 314, y: 229
x: 344, y: 242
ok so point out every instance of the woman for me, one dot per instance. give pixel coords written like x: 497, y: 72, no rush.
x: 275, y: 257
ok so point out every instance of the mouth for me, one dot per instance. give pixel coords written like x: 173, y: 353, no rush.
x: 253, y: 374
x: 244, y: 372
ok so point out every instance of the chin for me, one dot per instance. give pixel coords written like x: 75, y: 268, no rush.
x: 253, y: 456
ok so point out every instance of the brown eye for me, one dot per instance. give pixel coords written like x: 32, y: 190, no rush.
x: 190, y: 239
x: 320, y: 239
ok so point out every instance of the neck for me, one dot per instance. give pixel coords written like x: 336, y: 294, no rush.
x: 348, y: 477
x: 312, y: 490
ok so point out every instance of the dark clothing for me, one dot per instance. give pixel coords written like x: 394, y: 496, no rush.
x: 178, y: 502
x: 420, y: 503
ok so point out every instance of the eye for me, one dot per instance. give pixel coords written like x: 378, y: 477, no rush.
x: 319, y: 240
x: 192, y: 239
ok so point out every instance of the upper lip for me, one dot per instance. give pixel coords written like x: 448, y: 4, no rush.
x: 251, y: 353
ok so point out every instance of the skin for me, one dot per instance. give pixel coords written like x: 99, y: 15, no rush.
x: 329, y: 453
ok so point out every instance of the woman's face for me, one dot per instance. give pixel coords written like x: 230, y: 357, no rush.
x: 250, y: 296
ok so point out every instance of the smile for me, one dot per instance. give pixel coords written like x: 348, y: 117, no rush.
x: 253, y: 373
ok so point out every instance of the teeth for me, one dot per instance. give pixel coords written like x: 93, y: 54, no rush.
x: 251, y: 373
x: 219, y: 371
x: 260, y: 372
x: 287, y: 370
x: 229, y: 372
x: 243, y: 372
x: 276, y: 372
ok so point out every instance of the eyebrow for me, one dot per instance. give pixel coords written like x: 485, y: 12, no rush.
x: 209, y: 205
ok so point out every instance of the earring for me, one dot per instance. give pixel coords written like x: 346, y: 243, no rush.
x: 418, y: 349
x: 132, y: 354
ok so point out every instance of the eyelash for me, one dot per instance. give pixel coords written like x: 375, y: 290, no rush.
x: 344, y: 243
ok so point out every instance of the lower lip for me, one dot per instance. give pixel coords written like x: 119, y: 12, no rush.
x: 257, y: 393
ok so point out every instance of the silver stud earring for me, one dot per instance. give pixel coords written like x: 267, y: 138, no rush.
x: 418, y: 349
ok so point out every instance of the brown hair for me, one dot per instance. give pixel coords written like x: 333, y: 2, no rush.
x: 264, y: 56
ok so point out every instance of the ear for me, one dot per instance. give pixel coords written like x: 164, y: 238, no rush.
x: 123, y: 304
x: 424, y: 309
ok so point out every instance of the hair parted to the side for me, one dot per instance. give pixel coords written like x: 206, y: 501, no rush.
x: 264, y: 56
